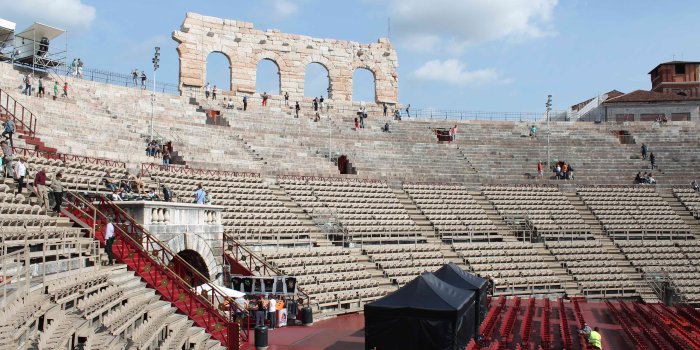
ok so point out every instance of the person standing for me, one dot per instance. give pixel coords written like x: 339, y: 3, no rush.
x: 453, y: 132
x: 286, y: 98
x: 645, y: 149
x: 57, y: 190
x: 55, y: 90
x: 245, y: 103
x: 652, y: 160
x: 74, y: 67
x: 65, y: 89
x: 207, y: 91
x: 264, y: 99
x: 385, y: 109
x: 143, y: 80
x: 166, y: 158
x: 109, y: 240
x: 20, y: 174
x: 321, y: 102
x: 41, y: 92
x: 297, y: 108
x: 272, y: 312
x: 7, y: 157
x: 41, y: 190
x: 9, y: 130
x: 80, y: 68
x: 315, y: 104
x: 540, y: 169
x: 135, y: 77
x: 260, y: 312
x: 408, y: 114
x: 213, y: 93
x: 200, y: 196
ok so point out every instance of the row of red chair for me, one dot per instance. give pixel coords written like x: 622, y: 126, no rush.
x: 564, y: 326
x: 507, y: 324
x: 647, y: 331
x: 526, y: 327
x: 675, y: 335
x: 545, y: 336
x: 627, y: 327
x: 491, y: 319
x: 686, y: 311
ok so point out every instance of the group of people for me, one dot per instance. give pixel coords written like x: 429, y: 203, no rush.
x: 124, y: 184
x: 28, y: 81
x: 135, y: 78
x: 210, y: 92
x: 592, y: 336
x: 156, y: 150
x: 562, y: 170
x: 265, y: 308
x: 645, y: 178
x: 17, y: 169
x: 77, y: 68
x: 650, y: 155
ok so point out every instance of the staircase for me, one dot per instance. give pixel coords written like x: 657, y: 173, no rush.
x: 162, y: 270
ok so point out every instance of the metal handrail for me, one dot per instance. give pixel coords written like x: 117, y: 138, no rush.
x: 147, y: 167
x: 65, y: 157
x: 152, y: 249
x: 11, y: 106
x: 252, y: 258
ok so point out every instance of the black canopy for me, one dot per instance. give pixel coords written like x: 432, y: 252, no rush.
x: 454, y: 275
x: 425, y: 314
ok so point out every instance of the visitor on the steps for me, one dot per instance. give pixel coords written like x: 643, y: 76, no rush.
x: 645, y: 149
x: 213, y: 93
x: 207, y: 91
x: 386, y: 128
x: 65, y: 89
x: 166, y: 159
x: 540, y: 169
x: 286, y: 98
x: 245, y: 103
x: 265, y: 96
x: 20, y: 173
x: 167, y: 193
x: 55, y: 90
x: 7, y: 157
x: 109, y: 240
x: 135, y: 77
x: 385, y: 108
x: 57, y: 190
x: 453, y: 133
x: 408, y: 114
x: 109, y: 181
x: 143, y: 80
x: 27, y: 84
x: 321, y: 102
x: 41, y: 92
x: 533, y: 132
x: 200, y: 196
x: 315, y: 103
x: 9, y: 130
x: 40, y: 188
x: 297, y: 108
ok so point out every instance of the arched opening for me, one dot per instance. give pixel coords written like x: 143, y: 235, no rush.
x: 194, y: 259
x: 317, y: 81
x: 682, y: 93
x: 363, y: 85
x: 218, y: 71
x: 267, y: 77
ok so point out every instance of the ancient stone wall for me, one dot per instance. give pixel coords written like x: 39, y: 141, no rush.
x: 245, y: 47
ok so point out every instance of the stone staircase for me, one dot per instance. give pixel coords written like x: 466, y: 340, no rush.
x: 681, y: 210
x: 498, y: 220
x: 317, y: 237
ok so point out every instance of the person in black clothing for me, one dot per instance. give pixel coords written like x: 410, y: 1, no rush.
x: 652, y: 160
x: 315, y: 104
x: 245, y: 103
x: 167, y: 193
x: 297, y: 108
x: 386, y: 109
x: 260, y: 313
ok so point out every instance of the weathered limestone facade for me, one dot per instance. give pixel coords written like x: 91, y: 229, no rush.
x: 245, y: 47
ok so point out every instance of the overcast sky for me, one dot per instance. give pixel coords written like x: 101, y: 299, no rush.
x: 490, y: 55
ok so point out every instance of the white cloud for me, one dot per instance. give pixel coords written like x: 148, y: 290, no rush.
x: 453, y: 71
x: 284, y: 8
x: 452, y: 25
x: 66, y: 14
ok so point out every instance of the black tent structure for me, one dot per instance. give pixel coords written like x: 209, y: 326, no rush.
x: 454, y: 275
x: 425, y: 314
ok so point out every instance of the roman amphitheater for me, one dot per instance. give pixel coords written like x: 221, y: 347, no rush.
x: 341, y: 216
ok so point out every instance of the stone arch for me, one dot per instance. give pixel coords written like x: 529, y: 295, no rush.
x: 194, y: 259
x: 191, y: 241
x: 273, y: 57
x: 334, y: 80
x: 370, y: 67
x: 230, y: 68
x: 374, y: 82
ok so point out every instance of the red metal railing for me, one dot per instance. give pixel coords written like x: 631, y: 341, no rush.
x: 235, y: 252
x: 331, y: 179
x: 156, y: 264
x: 24, y: 119
x: 146, y: 169
x: 67, y: 157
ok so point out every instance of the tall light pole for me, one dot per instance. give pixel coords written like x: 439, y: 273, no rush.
x: 155, y: 60
x: 549, y: 108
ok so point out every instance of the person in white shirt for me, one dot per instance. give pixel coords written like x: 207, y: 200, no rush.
x: 272, y: 312
x: 20, y: 172
x: 109, y: 240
